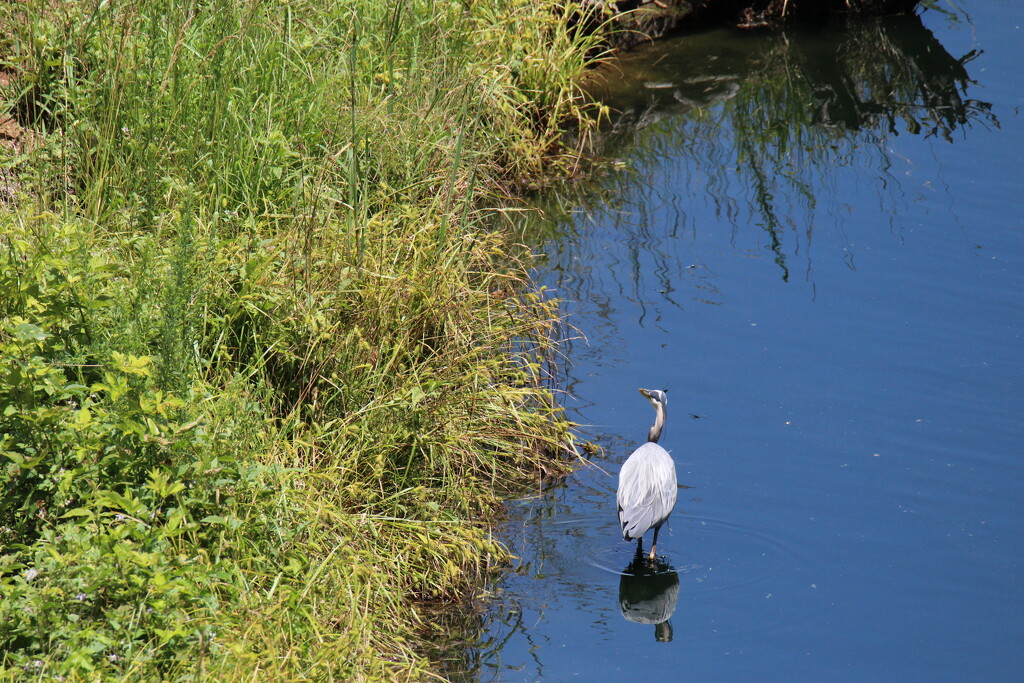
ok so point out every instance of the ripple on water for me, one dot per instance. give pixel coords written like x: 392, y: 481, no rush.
x: 728, y: 578
x: 712, y: 554
x: 726, y: 573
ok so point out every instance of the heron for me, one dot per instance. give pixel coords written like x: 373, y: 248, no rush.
x: 647, y: 482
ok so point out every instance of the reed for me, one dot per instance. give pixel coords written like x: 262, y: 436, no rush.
x: 270, y: 362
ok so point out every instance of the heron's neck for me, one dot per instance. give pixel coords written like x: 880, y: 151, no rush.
x: 659, y: 421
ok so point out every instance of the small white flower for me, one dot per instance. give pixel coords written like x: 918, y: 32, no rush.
x: 112, y: 657
x: 31, y: 574
x: 120, y: 517
x: 81, y: 596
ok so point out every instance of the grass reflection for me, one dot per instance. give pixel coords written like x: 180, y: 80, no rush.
x: 764, y: 119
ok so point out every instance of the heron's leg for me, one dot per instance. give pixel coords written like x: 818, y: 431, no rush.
x: 640, y: 546
x: 654, y: 543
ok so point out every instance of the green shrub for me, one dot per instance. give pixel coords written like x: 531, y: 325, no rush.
x: 267, y: 360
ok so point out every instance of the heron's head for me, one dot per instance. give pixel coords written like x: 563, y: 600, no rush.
x: 655, y: 396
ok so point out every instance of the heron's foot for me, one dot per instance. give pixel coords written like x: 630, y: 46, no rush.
x: 651, y: 556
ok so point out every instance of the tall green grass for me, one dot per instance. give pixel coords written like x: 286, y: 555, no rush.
x: 268, y: 360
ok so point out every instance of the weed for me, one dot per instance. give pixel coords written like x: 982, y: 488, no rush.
x: 268, y: 362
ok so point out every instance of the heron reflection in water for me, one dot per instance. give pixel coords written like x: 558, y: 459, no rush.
x: 647, y: 482
x: 648, y: 593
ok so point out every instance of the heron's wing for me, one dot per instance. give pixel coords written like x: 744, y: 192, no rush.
x: 635, y: 521
x: 647, y: 490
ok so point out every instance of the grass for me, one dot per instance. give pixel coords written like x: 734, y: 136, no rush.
x: 269, y: 360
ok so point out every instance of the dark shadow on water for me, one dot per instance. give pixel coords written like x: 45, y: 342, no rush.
x: 648, y: 593
x: 853, y: 75
x: 765, y: 119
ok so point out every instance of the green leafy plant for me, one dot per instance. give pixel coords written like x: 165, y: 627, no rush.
x: 267, y: 357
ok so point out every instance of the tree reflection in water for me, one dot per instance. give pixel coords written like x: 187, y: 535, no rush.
x: 762, y: 119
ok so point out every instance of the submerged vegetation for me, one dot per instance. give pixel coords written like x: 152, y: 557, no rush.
x: 268, y: 357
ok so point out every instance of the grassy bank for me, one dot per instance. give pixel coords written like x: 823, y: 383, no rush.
x: 267, y: 359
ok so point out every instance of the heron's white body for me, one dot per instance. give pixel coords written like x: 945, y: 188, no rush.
x: 647, y: 490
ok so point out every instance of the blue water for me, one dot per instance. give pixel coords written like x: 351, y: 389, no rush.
x: 845, y: 371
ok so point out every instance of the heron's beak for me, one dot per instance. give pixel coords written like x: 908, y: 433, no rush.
x: 646, y: 393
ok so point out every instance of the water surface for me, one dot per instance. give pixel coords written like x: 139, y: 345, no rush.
x: 814, y: 242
